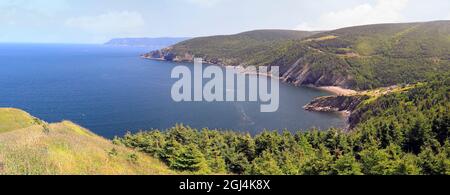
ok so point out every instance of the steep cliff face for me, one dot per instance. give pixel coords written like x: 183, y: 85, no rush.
x: 303, y: 72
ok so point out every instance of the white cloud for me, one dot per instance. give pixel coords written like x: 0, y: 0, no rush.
x: 23, y: 12
x: 204, y: 3
x: 382, y: 11
x: 111, y: 23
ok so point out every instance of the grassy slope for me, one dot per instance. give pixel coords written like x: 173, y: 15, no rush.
x: 64, y: 148
x: 11, y: 119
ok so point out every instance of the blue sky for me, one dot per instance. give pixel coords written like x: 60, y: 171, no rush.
x: 96, y: 21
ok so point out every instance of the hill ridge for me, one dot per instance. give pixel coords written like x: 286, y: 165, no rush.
x: 361, y: 57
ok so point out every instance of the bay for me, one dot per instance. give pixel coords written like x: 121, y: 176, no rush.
x: 111, y: 90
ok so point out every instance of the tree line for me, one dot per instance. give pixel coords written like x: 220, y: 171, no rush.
x: 399, y: 134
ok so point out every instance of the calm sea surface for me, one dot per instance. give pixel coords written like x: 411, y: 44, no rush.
x: 111, y: 90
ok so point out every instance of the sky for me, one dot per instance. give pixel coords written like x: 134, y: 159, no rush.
x: 87, y: 21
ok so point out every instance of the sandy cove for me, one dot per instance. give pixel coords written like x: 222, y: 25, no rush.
x: 337, y: 90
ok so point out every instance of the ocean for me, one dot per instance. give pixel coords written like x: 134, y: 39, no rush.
x: 111, y: 90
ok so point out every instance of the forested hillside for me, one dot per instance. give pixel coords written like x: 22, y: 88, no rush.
x: 229, y: 49
x: 362, y: 57
x: 401, y: 133
x: 367, y: 57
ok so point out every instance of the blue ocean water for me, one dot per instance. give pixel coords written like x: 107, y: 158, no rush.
x: 111, y: 90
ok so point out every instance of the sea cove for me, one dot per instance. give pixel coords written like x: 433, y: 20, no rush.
x: 111, y: 90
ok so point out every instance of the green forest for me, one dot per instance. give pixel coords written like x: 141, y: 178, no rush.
x: 360, y: 58
x: 403, y: 133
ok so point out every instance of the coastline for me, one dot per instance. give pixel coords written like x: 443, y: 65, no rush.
x: 333, y: 90
x: 238, y: 69
x: 241, y: 70
x: 337, y: 90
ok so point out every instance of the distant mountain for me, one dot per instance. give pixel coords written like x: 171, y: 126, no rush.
x: 362, y: 57
x: 156, y: 43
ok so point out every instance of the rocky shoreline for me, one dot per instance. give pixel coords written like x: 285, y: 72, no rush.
x: 160, y: 56
x: 344, y: 104
x: 298, y: 74
x: 343, y: 101
x: 335, y: 103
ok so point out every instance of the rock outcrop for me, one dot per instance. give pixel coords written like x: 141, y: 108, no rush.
x: 302, y: 74
x: 335, y: 103
x: 347, y: 104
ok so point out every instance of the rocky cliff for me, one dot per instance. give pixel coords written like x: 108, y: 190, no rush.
x: 335, y: 103
x: 347, y: 104
x: 168, y: 55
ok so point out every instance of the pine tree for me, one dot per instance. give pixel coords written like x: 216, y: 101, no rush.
x: 320, y: 163
x: 408, y: 166
x: 347, y: 165
x: 432, y: 163
x: 377, y: 162
x: 189, y: 158
x: 290, y: 162
x: 266, y: 165
x: 237, y: 162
